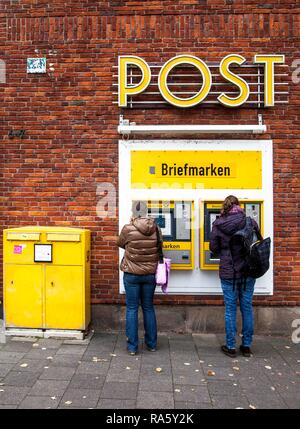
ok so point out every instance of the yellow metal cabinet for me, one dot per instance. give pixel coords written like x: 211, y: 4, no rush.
x: 47, y: 278
x: 23, y: 294
x: 64, y: 300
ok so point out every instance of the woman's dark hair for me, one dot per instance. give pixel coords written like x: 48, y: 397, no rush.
x: 228, y: 203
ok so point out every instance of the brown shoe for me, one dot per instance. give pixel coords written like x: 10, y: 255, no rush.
x: 246, y: 351
x: 229, y: 352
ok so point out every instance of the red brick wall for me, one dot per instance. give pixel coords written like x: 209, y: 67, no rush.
x: 71, y: 143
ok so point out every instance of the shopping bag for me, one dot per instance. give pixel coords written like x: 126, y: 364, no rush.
x: 163, y: 274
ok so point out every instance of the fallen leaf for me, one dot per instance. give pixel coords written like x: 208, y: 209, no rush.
x: 68, y: 402
x: 100, y: 360
x: 158, y: 369
x: 211, y: 373
x: 24, y: 365
x: 287, y: 347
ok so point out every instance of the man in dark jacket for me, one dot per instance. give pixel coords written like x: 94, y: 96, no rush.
x: 233, y: 281
x: 141, y: 239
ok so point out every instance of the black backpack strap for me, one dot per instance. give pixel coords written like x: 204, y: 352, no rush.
x: 159, y: 246
x: 256, y: 230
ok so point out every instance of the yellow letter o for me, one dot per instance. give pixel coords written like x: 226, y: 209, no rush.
x: 195, y: 99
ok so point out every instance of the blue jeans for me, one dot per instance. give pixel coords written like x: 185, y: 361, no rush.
x: 140, y: 289
x: 245, y: 295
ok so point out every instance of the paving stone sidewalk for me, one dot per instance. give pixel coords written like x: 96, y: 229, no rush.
x: 194, y: 374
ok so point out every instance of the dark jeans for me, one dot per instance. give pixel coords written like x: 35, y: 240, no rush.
x: 140, y: 289
x: 245, y: 295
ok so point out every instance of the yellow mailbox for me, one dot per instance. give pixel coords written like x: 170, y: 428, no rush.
x: 46, y: 278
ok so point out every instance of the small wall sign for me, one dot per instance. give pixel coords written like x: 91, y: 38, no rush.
x: 36, y: 65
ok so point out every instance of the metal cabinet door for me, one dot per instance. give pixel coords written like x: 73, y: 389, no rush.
x: 23, y: 299
x: 64, y: 300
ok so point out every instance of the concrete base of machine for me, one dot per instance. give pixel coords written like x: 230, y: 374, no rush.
x: 201, y: 319
x: 72, y: 335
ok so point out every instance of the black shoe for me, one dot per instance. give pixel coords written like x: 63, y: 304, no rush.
x: 151, y: 349
x: 246, y: 351
x: 229, y: 352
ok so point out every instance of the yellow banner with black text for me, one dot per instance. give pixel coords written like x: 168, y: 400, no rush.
x: 196, y: 169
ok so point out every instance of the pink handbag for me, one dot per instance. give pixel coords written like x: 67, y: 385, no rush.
x: 163, y: 273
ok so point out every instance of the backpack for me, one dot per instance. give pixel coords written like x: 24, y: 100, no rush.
x: 255, y: 251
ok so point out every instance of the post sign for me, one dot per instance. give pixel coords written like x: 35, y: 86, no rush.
x: 189, y: 169
x: 236, y: 92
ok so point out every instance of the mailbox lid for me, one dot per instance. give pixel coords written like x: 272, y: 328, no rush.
x: 63, y: 236
x: 68, y: 244
x: 23, y: 235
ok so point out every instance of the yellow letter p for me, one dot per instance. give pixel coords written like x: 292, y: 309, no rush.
x: 126, y: 89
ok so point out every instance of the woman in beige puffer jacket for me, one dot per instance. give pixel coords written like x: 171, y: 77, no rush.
x: 141, y: 240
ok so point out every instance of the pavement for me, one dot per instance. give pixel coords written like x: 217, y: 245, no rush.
x: 186, y: 372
